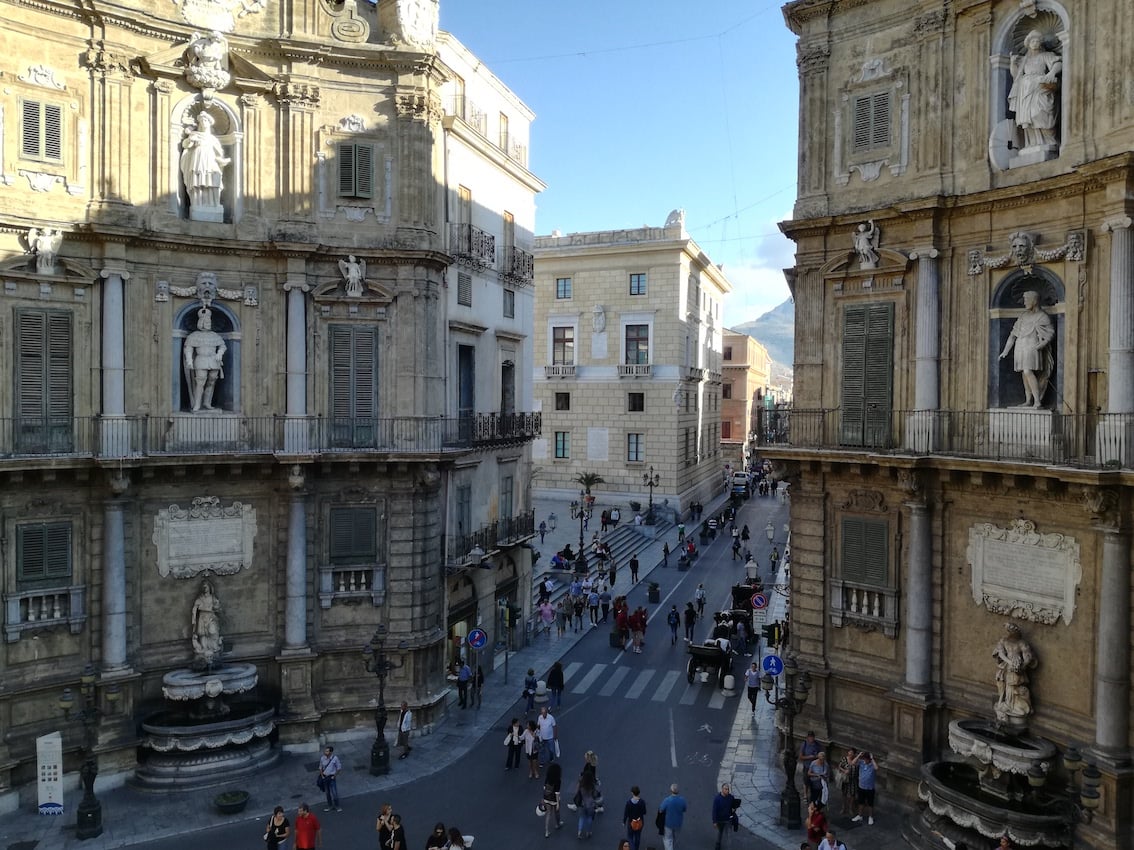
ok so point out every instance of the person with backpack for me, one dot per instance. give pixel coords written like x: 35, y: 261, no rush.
x: 673, y: 620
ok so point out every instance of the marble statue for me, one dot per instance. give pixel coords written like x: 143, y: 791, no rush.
x: 207, y: 57
x: 414, y: 24
x: 1034, y: 96
x: 1014, y: 658
x: 354, y: 273
x: 46, y: 244
x: 599, y: 319
x: 204, y: 361
x: 676, y: 218
x: 202, y: 166
x: 866, y: 239
x: 1031, y: 341
x: 207, y: 641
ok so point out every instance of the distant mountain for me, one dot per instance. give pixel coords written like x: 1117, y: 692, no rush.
x: 774, y: 330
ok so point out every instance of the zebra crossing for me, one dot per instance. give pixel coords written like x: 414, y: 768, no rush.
x: 649, y: 684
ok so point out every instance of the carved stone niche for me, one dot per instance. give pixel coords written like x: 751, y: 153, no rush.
x: 1023, y: 573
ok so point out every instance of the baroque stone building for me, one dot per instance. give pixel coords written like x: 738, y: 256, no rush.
x: 234, y: 276
x: 746, y: 369
x: 960, y: 444
x: 627, y: 373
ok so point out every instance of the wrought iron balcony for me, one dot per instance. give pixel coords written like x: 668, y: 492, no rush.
x: 468, y: 549
x: 472, y: 246
x: 466, y: 109
x: 1020, y: 435
x: 519, y: 265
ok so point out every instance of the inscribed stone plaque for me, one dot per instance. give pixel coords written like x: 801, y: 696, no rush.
x: 1019, y: 572
x: 206, y: 538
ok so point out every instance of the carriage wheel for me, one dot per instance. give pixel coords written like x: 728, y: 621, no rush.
x: 691, y: 670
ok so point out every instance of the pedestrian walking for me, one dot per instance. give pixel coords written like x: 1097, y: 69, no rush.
x: 744, y: 534
x: 634, y: 817
x: 405, y: 726
x: 531, y: 749
x: 307, y: 828
x: 740, y: 642
x: 699, y: 596
x: 816, y: 824
x: 548, y: 736
x: 579, y: 605
x: 775, y: 558
x: 818, y: 773
x: 665, y: 554
x: 681, y: 532
x: 382, y: 825
x: 724, y: 814
x: 735, y: 548
x: 530, y: 686
x: 552, y: 801
x: 633, y: 569
x: 690, y: 616
x: 277, y: 830
x: 514, y: 741
x: 561, y: 617
x: 604, y: 602
x: 638, y: 628
x: 555, y: 684
x: 546, y: 616
x: 584, y: 800
x: 397, y: 839
x: 673, y: 620
x: 613, y: 571
x: 542, y: 530
x: 593, y: 606
x: 463, y: 676
x: 672, y: 810
x: 752, y: 681
x: 329, y: 767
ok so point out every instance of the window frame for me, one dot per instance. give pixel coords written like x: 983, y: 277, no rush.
x: 563, y: 288
x: 638, y: 283
x: 641, y: 344
x: 41, y: 129
x: 562, y: 401
x: 864, y: 589
x: 635, y: 447
x: 568, y: 345
x: 866, y: 136
x: 361, y: 185
x: 509, y: 303
x: 641, y: 397
x: 562, y: 445
x: 51, y: 576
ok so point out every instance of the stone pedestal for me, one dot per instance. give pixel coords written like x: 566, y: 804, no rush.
x: 209, y: 431
x: 298, y: 721
x: 205, y: 212
x: 1024, y: 433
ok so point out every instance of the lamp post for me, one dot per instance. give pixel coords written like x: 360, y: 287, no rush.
x: 89, y: 813
x: 552, y: 521
x: 789, y: 699
x: 651, y: 479
x: 770, y: 531
x: 380, y: 665
x: 1083, y: 789
x: 579, y: 511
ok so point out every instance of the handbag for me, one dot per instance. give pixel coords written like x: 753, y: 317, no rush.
x: 321, y: 782
x: 540, y: 810
x: 636, y: 824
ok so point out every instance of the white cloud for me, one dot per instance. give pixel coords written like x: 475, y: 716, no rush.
x: 756, y: 290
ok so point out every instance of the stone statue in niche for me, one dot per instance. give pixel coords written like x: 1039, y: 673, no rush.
x: 866, y: 239
x: 1034, y: 95
x: 354, y: 273
x: 204, y: 361
x: 202, y: 168
x: 45, y: 243
x: 1030, y: 341
x: 1014, y: 658
x: 207, y: 57
x: 598, y: 321
x: 207, y: 641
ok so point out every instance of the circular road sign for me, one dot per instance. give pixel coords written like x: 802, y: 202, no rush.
x: 759, y: 601
x: 773, y: 665
x: 478, y: 638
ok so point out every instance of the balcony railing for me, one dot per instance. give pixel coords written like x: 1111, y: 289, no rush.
x: 633, y: 370
x: 226, y: 434
x: 560, y: 370
x: 519, y: 265
x: 467, y: 110
x: 472, y: 246
x: 692, y: 373
x: 464, y: 549
x: 1098, y: 441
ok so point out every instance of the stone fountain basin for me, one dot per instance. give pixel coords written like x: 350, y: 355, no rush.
x: 177, y: 729
x: 952, y: 790
x: 184, y: 685
x: 1008, y: 751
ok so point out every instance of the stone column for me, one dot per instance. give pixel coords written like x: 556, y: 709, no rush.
x: 114, y: 432
x: 919, y: 599
x: 1112, y: 645
x: 295, y: 622
x: 296, y: 287
x: 1120, y: 374
x: 114, y: 579
x: 928, y: 333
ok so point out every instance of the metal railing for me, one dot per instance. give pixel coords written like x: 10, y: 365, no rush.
x: 226, y: 434
x: 519, y: 265
x: 489, y: 538
x: 1101, y: 441
x: 473, y: 245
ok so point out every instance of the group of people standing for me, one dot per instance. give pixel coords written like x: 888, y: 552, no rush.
x: 856, y: 776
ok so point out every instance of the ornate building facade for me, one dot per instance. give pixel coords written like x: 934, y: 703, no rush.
x: 745, y: 372
x: 234, y: 276
x: 960, y: 443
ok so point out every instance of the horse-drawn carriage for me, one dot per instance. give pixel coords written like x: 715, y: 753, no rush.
x: 709, y: 657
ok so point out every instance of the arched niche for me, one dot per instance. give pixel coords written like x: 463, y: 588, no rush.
x: 1005, y: 386
x: 229, y: 129
x: 226, y: 399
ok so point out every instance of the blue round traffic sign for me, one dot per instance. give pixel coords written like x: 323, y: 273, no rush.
x: 759, y: 601
x: 773, y: 665
x: 478, y: 638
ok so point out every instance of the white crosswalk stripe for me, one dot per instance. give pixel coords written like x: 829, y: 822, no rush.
x: 650, y: 683
x: 668, y: 681
x: 614, y: 682
x: 639, y: 684
x: 588, y: 680
x: 571, y: 669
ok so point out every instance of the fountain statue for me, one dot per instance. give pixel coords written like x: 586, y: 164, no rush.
x: 201, y: 738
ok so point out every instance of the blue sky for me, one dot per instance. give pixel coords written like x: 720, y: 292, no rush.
x: 643, y: 106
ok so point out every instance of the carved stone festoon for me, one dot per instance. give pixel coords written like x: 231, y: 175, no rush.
x: 1023, y: 252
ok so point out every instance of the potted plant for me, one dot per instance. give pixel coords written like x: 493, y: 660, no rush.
x: 587, y: 480
x: 231, y: 802
x: 654, y: 592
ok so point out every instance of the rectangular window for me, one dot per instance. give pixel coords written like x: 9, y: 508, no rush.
x: 41, y: 132
x: 509, y: 230
x: 44, y: 394
x: 503, y: 132
x: 865, y: 551
x: 356, y: 170
x: 637, y: 344
x: 464, y: 508
x: 562, y: 288
x: 728, y: 352
x: 43, y: 554
x: 686, y: 447
x: 563, y: 401
x: 509, y: 304
x: 464, y: 205
x: 354, y: 384
x: 726, y: 430
x: 507, y: 493
x: 868, y: 357
x: 635, y: 447
x: 726, y: 390
x: 464, y: 289
x: 638, y: 284
x: 563, y: 444
x: 354, y: 535
x: 563, y: 346
x: 636, y: 402
x: 871, y: 122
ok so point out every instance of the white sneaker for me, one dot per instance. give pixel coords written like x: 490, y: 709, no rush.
x: 857, y: 818
x: 870, y: 820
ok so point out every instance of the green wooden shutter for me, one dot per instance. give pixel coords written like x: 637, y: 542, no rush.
x: 865, y: 552
x: 880, y: 121
x: 868, y: 366
x: 43, y: 552
x: 852, y: 403
x: 354, y: 384
x: 861, y: 138
x: 365, y: 345
x: 354, y: 535
x: 363, y: 171
x: 44, y: 390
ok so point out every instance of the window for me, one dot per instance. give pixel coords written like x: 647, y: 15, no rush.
x: 563, y: 444
x: 464, y: 205
x: 635, y: 447
x: 43, y: 554
x: 507, y: 495
x: 563, y: 346
x: 464, y: 289
x: 868, y: 353
x: 464, y: 508
x: 863, y: 591
x: 728, y: 352
x: 356, y: 170
x: 864, y: 551
x: 685, y: 449
x: 41, y: 133
x: 726, y: 430
x: 354, y: 384
x: 354, y: 535
x: 638, y: 284
x: 509, y: 230
x: 509, y: 304
x: 563, y: 401
x: 726, y: 390
x: 636, y: 402
x: 352, y: 571
x: 44, y: 393
x: 503, y: 132
x: 871, y: 122
x: 637, y: 344
x: 562, y: 288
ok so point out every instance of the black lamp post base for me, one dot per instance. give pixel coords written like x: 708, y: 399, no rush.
x: 89, y: 820
x: 790, y: 817
x: 379, y: 759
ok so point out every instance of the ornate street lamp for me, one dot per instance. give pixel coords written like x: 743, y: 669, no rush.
x: 89, y: 813
x: 788, y: 698
x: 770, y: 531
x: 580, y: 512
x: 380, y: 665
x: 552, y: 521
x: 651, y: 479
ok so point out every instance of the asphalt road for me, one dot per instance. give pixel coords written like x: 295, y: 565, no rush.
x: 647, y: 725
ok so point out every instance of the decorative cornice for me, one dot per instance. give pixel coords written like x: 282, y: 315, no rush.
x: 296, y: 95
x: 812, y: 59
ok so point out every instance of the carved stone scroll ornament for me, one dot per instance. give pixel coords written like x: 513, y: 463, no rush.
x: 207, y: 538
x: 349, y: 26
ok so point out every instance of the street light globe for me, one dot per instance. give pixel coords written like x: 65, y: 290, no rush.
x: 770, y: 531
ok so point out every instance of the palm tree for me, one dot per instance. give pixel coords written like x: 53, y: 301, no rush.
x: 587, y: 480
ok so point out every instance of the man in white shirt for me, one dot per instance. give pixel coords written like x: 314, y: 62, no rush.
x: 405, y: 725
x: 548, y: 732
